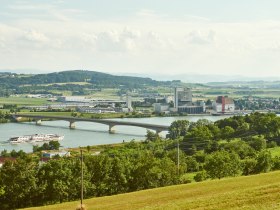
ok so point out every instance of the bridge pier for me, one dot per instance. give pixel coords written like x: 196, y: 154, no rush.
x: 38, y: 122
x: 158, y: 131
x: 72, y: 124
x: 111, y: 128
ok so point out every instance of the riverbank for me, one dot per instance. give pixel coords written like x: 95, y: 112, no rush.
x: 87, y: 133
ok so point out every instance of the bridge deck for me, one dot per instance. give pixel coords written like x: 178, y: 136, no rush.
x: 102, y: 121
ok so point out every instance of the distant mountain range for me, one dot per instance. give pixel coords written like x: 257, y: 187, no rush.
x: 203, y: 78
x: 188, y: 77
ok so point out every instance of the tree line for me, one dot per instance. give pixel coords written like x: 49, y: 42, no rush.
x: 229, y: 147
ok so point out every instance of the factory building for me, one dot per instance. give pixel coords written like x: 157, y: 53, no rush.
x: 182, y: 97
x: 223, y: 104
x: 182, y: 103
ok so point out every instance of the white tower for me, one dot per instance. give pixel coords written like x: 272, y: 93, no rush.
x: 128, y: 102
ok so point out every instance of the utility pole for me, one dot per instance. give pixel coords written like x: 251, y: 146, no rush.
x: 82, y: 180
x: 178, y: 157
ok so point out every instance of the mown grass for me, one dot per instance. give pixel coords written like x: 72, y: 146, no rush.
x: 58, y: 83
x: 83, y: 115
x: 61, y: 114
x: 23, y: 101
x: 252, y: 192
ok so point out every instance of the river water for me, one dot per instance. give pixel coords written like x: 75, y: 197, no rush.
x: 85, y: 133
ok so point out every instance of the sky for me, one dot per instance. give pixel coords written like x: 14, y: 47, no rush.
x: 170, y: 37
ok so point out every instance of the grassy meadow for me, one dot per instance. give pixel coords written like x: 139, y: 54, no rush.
x: 83, y: 115
x: 23, y: 101
x: 261, y: 192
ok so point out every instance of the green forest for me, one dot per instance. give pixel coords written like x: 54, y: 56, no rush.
x: 234, y: 146
x: 19, y: 84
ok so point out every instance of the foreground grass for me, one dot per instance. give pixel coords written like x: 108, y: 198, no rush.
x: 252, y: 192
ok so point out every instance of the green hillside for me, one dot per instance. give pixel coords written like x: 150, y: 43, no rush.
x: 251, y: 192
x: 93, y: 77
x: 79, y: 82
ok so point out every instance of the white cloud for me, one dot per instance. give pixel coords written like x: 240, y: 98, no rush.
x: 147, y: 41
x: 35, y: 36
x: 198, y: 37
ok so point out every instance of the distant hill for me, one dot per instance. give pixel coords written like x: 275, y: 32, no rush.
x: 97, y: 78
x: 93, y: 79
x: 246, y: 192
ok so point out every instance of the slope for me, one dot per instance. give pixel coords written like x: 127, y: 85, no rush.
x: 251, y: 192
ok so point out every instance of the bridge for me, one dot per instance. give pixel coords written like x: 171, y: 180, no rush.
x: 110, y: 123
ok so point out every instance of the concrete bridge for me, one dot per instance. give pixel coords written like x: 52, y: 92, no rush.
x: 110, y: 123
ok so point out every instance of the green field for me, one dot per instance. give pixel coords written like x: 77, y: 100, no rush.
x: 258, y: 192
x: 23, y: 101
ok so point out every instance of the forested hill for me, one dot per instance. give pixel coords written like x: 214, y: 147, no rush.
x: 96, y: 78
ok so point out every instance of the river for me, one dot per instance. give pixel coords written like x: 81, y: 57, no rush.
x: 86, y: 133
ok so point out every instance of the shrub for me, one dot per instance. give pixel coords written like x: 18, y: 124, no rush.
x: 200, y: 176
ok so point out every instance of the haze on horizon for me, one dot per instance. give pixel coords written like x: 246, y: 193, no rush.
x: 148, y: 37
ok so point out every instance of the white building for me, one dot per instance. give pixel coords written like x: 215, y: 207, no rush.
x: 129, y: 102
x: 158, y: 107
x: 182, y: 97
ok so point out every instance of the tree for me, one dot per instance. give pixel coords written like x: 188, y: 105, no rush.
x: 173, y: 155
x: 151, y: 136
x: 227, y: 132
x: 212, y: 146
x: 208, y: 102
x: 264, y: 162
x: 240, y: 147
x: 150, y: 172
x: 117, y: 181
x: 59, y: 181
x: 249, y: 166
x: 178, y: 128
x: 52, y: 145
x: 199, y: 133
x: 99, y: 168
x: 18, y: 180
x: 222, y: 164
x: 192, y: 164
x: 257, y: 142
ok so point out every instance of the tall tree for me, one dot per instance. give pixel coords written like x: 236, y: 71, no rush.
x: 178, y: 128
x: 222, y: 164
x: 18, y: 181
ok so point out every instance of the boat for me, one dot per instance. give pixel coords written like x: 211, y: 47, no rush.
x: 19, y: 139
x: 55, y: 137
x: 35, y: 138
x: 46, y: 137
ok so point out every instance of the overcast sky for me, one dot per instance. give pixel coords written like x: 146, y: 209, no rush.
x: 142, y: 36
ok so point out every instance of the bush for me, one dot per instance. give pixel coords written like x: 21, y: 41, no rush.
x: 200, y: 176
x: 249, y: 166
x: 276, y: 163
x: 192, y: 164
x: 264, y: 162
x: 185, y: 180
x: 271, y: 144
